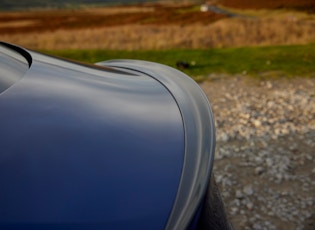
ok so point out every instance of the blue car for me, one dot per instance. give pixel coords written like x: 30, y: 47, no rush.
x: 121, y: 144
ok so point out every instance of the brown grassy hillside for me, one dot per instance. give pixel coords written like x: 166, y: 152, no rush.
x: 304, y: 5
x: 51, y: 20
x: 155, y: 26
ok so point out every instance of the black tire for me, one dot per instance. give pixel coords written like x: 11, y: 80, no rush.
x: 213, y: 215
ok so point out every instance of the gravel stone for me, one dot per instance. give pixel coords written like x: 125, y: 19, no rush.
x: 265, y: 158
x: 248, y: 190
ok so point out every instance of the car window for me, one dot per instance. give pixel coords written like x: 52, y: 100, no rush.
x: 13, y: 66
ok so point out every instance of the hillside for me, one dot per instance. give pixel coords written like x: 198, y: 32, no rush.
x: 159, y: 26
x: 30, y: 4
x: 302, y: 5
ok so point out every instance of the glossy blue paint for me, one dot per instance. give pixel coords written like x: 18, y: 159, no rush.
x: 86, y: 147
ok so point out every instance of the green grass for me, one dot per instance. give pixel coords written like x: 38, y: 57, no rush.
x: 287, y: 61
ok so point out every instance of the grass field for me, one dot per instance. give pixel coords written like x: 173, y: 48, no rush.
x: 262, y: 62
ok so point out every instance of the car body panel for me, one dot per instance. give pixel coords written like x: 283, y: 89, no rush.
x: 123, y: 144
x: 199, y: 136
x: 88, y: 146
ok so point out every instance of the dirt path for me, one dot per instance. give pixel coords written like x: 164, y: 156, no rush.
x: 219, y: 10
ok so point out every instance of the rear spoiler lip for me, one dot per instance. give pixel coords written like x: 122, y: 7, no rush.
x: 198, y: 122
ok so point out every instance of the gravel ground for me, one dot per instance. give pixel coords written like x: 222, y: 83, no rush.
x: 265, y: 153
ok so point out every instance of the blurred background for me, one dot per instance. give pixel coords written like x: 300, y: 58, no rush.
x: 134, y: 25
x: 255, y: 60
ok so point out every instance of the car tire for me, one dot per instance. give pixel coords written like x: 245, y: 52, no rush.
x: 213, y: 215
